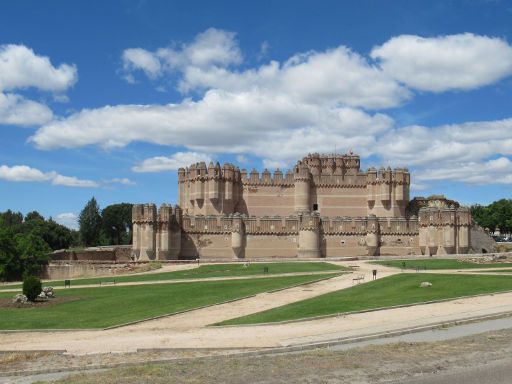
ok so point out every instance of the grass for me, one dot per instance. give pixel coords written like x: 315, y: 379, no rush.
x: 438, y: 264
x: 390, y: 291
x: 106, y: 306
x: 204, y: 271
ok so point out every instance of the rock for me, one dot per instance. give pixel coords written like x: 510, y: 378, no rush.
x: 48, y: 292
x: 20, y: 299
x: 426, y: 284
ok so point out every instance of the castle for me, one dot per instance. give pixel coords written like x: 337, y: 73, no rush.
x: 325, y: 207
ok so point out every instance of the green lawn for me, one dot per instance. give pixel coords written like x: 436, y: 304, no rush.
x: 204, y: 271
x: 101, y: 307
x: 438, y: 264
x: 386, y: 292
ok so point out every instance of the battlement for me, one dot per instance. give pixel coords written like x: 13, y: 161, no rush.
x: 267, y: 178
x: 200, y: 172
x: 331, y: 164
x: 444, y: 216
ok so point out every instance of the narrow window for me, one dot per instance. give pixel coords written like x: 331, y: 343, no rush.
x: 315, y: 207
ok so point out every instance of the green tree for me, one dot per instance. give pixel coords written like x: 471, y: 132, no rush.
x: 33, y: 252
x: 11, y: 220
x: 58, y: 236
x: 117, y: 223
x: 90, y: 223
x: 10, y: 268
x: 495, y: 215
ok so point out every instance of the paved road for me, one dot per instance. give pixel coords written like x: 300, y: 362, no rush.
x: 496, y: 373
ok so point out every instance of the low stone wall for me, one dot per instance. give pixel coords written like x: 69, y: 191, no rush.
x: 108, y: 253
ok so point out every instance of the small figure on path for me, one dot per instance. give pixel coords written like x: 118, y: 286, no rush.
x: 374, y: 274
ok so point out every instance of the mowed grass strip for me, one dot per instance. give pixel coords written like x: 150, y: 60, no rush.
x: 101, y: 307
x: 438, y: 264
x: 386, y: 292
x: 204, y: 271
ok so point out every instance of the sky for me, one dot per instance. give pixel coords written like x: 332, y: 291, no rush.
x: 109, y: 98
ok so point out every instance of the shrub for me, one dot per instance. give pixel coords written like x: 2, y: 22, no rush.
x: 32, y: 287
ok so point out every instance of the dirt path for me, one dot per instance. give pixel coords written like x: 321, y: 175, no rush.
x: 196, y: 280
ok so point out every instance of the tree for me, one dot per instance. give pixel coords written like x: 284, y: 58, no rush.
x: 33, y: 253
x: 10, y: 267
x: 90, y: 223
x: 495, y: 215
x: 117, y: 223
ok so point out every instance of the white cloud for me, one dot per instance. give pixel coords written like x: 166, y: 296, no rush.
x: 462, y: 143
x: 464, y: 61
x: 21, y: 68
x: 72, y: 181
x: 267, y: 126
x: 16, y: 110
x: 213, y: 47
x: 334, y: 76
x: 495, y: 171
x: 23, y: 173
x: 68, y: 219
x: 137, y: 58
x: 123, y: 181
x: 171, y: 163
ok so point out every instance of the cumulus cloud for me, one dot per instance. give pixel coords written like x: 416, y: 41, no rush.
x: 461, y: 152
x: 213, y: 47
x: 267, y: 126
x: 140, y: 59
x: 171, y: 163
x: 487, y: 172
x: 313, y: 101
x: 437, y: 64
x: 16, y: 110
x: 120, y: 180
x: 23, y: 173
x: 68, y: 219
x: 21, y: 68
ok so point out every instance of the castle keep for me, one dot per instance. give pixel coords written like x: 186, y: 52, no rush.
x: 325, y: 207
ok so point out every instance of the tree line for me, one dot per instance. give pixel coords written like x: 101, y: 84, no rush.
x: 495, y: 215
x: 27, y: 240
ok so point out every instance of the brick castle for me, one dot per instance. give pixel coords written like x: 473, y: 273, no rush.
x: 325, y: 207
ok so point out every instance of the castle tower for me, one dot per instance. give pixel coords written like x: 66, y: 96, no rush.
x: 372, y: 235
x: 144, y: 233
x: 238, y: 236
x: 463, y: 230
x: 302, y: 179
x: 309, y: 236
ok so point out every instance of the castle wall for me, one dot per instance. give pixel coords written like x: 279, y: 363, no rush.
x: 261, y: 200
x: 341, y: 201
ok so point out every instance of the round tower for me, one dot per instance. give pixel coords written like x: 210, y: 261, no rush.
x: 238, y: 236
x: 372, y: 235
x: 302, y: 179
x: 309, y: 236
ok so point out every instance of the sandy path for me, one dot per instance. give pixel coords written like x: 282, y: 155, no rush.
x: 196, y: 280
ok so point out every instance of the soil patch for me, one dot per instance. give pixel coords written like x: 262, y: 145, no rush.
x: 7, y: 302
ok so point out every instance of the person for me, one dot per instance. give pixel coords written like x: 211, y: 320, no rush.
x: 374, y: 274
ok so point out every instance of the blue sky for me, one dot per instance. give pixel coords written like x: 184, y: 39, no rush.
x: 107, y: 99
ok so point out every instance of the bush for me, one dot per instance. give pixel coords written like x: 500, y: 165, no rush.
x: 32, y: 287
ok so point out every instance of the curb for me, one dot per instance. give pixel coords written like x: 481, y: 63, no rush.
x: 263, y: 351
